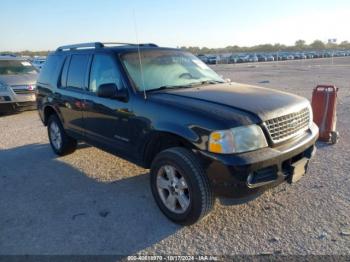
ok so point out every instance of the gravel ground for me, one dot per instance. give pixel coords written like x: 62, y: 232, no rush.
x: 91, y: 202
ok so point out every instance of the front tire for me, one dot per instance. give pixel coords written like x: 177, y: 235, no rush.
x: 61, y: 143
x: 180, y: 186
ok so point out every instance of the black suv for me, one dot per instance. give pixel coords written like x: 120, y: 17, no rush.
x: 166, y: 110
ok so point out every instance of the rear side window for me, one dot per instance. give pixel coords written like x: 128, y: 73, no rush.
x: 77, y: 71
x: 51, y: 69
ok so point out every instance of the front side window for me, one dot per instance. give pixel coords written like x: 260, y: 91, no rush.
x: 166, y: 68
x: 16, y: 67
x: 77, y: 71
x: 104, y: 71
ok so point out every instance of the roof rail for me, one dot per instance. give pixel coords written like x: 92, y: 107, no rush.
x: 98, y: 45
x: 132, y: 44
x: 79, y: 46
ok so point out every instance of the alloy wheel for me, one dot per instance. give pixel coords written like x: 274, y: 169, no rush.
x: 55, y: 135
x: 173, y: 189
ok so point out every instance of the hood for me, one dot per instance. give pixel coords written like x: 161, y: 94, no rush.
x: 263, y: 102
x: 13, y: 80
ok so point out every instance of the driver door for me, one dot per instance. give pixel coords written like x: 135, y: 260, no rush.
x: 106, y: 120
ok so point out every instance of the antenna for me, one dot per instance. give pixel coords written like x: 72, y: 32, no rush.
x: 140, y: 60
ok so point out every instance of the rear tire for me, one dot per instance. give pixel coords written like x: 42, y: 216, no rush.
x: 61, y: 143
x: 190, y: 194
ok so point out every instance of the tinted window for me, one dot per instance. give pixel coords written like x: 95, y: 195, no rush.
x: 50, y: 70
x: 77, y: 71
x: 63, y: 82
x: 104, y: 71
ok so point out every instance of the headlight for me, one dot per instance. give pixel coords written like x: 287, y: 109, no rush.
x: 237, y: 140
x: 3, y: 87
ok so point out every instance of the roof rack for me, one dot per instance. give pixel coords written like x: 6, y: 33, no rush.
x: 98, y: 45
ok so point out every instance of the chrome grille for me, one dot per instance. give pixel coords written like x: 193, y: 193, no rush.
x: 287, y: 126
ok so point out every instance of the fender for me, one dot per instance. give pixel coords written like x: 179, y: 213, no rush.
x: 55, y: 109
x: 193, y: 136
x: 197, y: 136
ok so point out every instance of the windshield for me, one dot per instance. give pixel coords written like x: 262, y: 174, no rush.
x: 164, y: 68
x: 15, y: 67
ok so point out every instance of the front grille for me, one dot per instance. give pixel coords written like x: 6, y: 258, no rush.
x: 287, y: 126
x: 22, y: 90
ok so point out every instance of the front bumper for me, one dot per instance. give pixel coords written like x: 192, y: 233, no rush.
x: 10, y: 101
x: 17, y: 94
x: 251, y: 173
x: 19, y: 106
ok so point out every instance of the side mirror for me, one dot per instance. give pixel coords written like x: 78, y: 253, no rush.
x: 107, y: 90
x: 111, y: 91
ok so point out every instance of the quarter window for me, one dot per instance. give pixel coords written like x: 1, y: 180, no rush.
x: 51, y: 69
x: 104, y: 71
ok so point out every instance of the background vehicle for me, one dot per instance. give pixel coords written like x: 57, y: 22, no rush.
x: 287, y: 56
x: 233, y: 59
x: 261, y: 58
x: 277, y: 57
x: 270, y: 58
x: 309, y: 55
x: 38, y: 62
x: 199, y: 135
x: 17, y: 84
x: 252, y: 58
x: 203, y: 58
x: 297, y: 56
x: 303, y: 56
x: 212, y: 60
x: 242, y: 58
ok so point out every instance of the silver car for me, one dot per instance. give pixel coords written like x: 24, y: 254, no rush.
x: 17, y: 84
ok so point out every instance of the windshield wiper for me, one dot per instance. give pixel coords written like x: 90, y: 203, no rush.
x: 211, y: 82
x: 206, y: 82
x: 169, y: 87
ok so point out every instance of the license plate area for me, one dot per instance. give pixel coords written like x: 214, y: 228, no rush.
x: 26, y: 97
x: 298, y: 169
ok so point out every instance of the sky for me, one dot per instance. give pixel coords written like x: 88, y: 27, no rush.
x: 47, y: 24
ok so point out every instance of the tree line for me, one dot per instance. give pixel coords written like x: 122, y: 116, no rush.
x: 299, y: 45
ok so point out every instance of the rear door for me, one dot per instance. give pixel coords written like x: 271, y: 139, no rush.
x: 72, y: 89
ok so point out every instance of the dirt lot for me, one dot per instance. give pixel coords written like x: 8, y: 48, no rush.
x: 94, y: 203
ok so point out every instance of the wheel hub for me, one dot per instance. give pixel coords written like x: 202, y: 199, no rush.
x: 173, y: 189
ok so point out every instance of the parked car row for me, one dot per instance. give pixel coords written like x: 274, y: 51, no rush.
x: 268, y: 57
